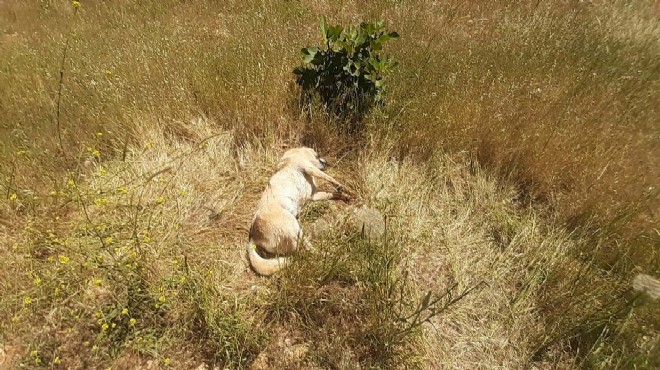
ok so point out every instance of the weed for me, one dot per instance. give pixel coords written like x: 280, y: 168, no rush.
x: 323, y: 293
x: 346, y: 74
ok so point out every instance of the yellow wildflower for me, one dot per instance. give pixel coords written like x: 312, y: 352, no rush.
x: 166, y: 362
x: 109, y: 240
x: 101, y: 201
x: 104, y: 327
x: 103, y: 171
x: 63, y: 259
x: 13, y: 196
x: 20, y: 153
x: 124, y: 311
x: 27, y: 301
x: 37, y: 281
x: 57, y: 360
x: 132, y: 322
x: 160, y: 200
x: 99, y: 134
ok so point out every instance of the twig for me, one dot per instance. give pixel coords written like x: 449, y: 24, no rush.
x: 61, y: 84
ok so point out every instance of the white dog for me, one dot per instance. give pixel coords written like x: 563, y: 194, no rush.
x: 275, y: 228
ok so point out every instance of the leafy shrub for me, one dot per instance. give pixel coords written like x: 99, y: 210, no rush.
x: 347, y: 73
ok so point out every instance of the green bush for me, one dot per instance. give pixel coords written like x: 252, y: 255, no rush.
x: 347, y: 73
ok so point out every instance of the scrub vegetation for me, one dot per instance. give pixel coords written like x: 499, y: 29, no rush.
x: 514, y: 161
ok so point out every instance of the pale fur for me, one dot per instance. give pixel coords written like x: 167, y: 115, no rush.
x: 275, y: 228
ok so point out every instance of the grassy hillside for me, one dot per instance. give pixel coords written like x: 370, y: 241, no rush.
x: 514, y: 163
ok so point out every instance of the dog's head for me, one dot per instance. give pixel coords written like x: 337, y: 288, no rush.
x: 302, y: 156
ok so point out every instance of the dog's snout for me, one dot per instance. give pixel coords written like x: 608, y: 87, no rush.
x: 323, y: 162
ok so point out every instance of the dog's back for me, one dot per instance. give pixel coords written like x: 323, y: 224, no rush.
x: 289, y: 189
x: 275, y: 228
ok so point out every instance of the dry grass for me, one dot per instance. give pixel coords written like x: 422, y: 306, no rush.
x: 517, y: 149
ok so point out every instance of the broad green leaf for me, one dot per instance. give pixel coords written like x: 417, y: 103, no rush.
x: 334, y: 32
x: 324, y: 30
x: 309, y: 53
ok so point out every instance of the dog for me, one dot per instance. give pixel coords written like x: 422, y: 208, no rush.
x: 275, y: 228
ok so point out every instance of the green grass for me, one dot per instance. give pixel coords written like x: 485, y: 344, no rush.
x: 517, y: 147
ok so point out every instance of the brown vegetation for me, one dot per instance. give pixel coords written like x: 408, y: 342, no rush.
x: 515, y: 159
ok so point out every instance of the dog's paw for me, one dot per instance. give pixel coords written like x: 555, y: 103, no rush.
x: 343, y: 197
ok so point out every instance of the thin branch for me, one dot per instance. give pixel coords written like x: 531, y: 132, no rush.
x: 61, y: 84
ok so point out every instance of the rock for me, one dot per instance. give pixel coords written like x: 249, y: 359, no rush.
x: 356, y: 217
x: 370, y: 219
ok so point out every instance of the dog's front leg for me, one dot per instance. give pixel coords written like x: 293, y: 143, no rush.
x: 322, y: 195
x: 313, y: 171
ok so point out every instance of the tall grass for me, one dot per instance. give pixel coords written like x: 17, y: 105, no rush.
x: 562, y: 100
x: 517, y: 147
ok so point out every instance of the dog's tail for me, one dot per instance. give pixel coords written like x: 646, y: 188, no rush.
x: 264, y: 266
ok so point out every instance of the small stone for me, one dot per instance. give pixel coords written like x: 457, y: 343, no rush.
x: 369, y: 219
